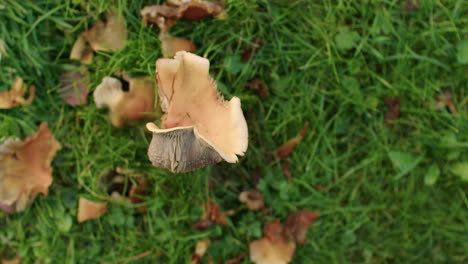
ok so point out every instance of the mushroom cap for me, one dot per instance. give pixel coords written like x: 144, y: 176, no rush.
x: 195, y: 111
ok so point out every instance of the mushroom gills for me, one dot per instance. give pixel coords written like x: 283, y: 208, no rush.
x: 181, y: 150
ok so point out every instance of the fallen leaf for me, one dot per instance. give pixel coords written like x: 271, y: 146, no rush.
x: 236, y: 259
x: 253, y: 199
x: 12, y: 261
x: 200, y: 250
x: 74, y: 86
x: 167, y: 14
x: 14, y: 97
x: 203, y: 224
x: 299, y: 222
x: 393, y: 112
x: 25, y: 169
x: 88, y: 210
x: 444, y: 100
x: 251, y: 49
x: 81, y: 50
x: 276, y: 247
x: 108, y: 35
x: 135, y: 104
x: 171, y: 45
x: 410, y: 5
x: 259, y: 86
x: 286, y: 164
x: 284, y: 150
x: 213, y: 213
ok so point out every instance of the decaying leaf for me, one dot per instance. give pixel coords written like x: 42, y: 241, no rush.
x: 251, y: 50
x: 411, y: 5
x: 276, y: 246
x: 259, y: 86
x: 167, y: 14
x: 299, y: 222
x: 135, y: 104
x: 171, y: 45
x: 88, y: 210
x: 200, y: 250
x: 12, y: 261
x: 253, y: 199
x: 199, y: 127
x: 25, y: 169
x: 444, y: 100
x: 14, y: 97
x: 81, y: 50
x: 393, y: 112
x: 74, y: 86
x: 284, y: 150
x: 108, y: 35
x: 236, y: 259
x: 212, y: 214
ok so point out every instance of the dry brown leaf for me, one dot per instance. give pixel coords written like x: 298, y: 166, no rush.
x: 236, y: 259
x: 110, y: 35
x: 171, y: 45
x: 199, y: 127
x: 14, y: 97
x: 12, y: 261
x: 213, y: 212
x: 259, y: 86
x: 135, y: 104
x: 74, y: 86
x: 251, y: 50
x: 25, y: 169
x: 298, y: 223
x: 137, y: 191
x: 200, y: 250
x: 88, y: 210
x: 166, y: 15
x: 253, y: 199
x: 203, y: 224
x: 284, y: 150
x: 81, y: 50
x: 444, y: 100
x: 275, y: 247
x: 393, y: 112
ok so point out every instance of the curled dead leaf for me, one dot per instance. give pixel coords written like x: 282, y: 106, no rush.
x: 88, y: 210
x: 171, y: 45
x: 299, y: 222
x: 284, y: 150
x: 25, y: 169
x: 81, y: 50
x: 259, y: 86
x: 199, y: 127
x: 253, y: 199
x: 444, y: 100
x: 74, y: 86
x: 14, y: 97
x: 200, y: 250
x: 275, y: 247
x: 252, y: 49
x: 109, y: 35
x: 135, y: 104
x: 212, y: 214
x: 12, y: 261
x: 393, y: 112
x: 167, y: 14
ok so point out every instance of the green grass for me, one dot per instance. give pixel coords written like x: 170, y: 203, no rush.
x: 331, y: 63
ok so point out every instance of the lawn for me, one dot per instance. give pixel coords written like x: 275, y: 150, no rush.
x: 384, y: 159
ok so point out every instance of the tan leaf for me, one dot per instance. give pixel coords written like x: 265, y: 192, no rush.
x: 172, y: 45
x: 110, y: 35
x: 88, y: 210
x: 199, y: 127
x: 213, y: 213
x: 284, y: 150
x: 274, y: 248
x: 12, y: 261
x: 14, y: 97
x: 200, y: 250
x: 25, y: 169
x: 135, y: 104
x: 253, y: 199
x: 298, y: 223
x: 81, y: 50
x: 74, y: 86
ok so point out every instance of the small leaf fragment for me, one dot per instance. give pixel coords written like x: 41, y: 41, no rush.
x: 298, y: 223
x: 200, y: 249
x: 284, y: 150
x: 274, y: 248
x: 88, y: 210
x: 74, y: 86
x: 14, y: 97
x: 253, y: 199
x: 110, y: 35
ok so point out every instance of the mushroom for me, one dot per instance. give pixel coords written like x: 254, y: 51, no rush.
x: 135, y: 104
x: 199, y: 127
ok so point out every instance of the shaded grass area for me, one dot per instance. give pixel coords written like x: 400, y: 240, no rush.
x: 331, y: 63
